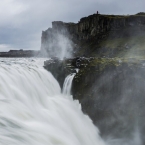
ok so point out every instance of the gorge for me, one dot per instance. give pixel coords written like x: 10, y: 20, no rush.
x: 84, y: 87
x: 34, y: 111
x: 109, y: 52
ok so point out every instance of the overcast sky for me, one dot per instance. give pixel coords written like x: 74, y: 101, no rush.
x: 22, y: 21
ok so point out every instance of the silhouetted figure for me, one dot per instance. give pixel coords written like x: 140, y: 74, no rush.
x: 97, y: 12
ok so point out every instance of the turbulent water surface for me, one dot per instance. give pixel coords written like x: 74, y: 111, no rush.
x: 33, y: 111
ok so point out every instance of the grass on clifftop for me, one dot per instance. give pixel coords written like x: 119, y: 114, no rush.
x: 126, y: 47
x: 99, y: 65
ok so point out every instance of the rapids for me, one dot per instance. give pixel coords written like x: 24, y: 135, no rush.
x: 33, y: 111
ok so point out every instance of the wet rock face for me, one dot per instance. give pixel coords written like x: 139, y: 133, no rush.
x: 112, y: 94
x: 111, y: 91
x: 60, y: 68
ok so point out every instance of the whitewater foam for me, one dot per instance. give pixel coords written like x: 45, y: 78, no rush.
x: 33, y: 110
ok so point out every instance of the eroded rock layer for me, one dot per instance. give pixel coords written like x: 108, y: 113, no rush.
x: 97, y: 35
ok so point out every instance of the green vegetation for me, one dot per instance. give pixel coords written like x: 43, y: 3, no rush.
x: 99, y: 65
x: 124, y: 16
x: 127, y: 46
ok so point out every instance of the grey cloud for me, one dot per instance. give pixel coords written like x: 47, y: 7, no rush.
x: 23, y: 20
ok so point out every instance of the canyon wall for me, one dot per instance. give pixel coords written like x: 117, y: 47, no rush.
x: 110, y: 82
x: 96, y: 34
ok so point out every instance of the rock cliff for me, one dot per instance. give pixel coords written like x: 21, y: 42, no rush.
x: 110, y: 81
x: 110, y: 90
x: 97, y: 35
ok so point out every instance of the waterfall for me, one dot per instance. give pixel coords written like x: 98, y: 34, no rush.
x: 68, y: 84
x: 33, y: 111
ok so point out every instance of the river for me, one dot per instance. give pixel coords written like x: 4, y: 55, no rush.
x: 33, y: 111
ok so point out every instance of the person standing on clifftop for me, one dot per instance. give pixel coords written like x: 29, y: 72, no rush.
x: 97, y: 12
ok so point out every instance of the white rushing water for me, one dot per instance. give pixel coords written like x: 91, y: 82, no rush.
x: 33, y: 111
x: 68, y: 84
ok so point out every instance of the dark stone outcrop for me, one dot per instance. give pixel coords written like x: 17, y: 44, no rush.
x: 111, y: 91
x: 109, y: 85
x: 90, y: 33
x: 64, y: 67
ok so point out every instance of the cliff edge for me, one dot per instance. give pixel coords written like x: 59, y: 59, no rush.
x: 110, y: 80
x: 97, y: 35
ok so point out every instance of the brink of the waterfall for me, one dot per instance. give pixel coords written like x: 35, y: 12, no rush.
x: 34, y: 111
x: 68, y: 84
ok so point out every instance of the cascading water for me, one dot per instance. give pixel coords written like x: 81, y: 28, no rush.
x: 34, y: 112
x: 68, y: 84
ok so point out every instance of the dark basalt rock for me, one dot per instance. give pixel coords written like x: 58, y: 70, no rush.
x: 59, y: 68
x: 109, y: 86
x: 111, y: 91
x: 96, y: 34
